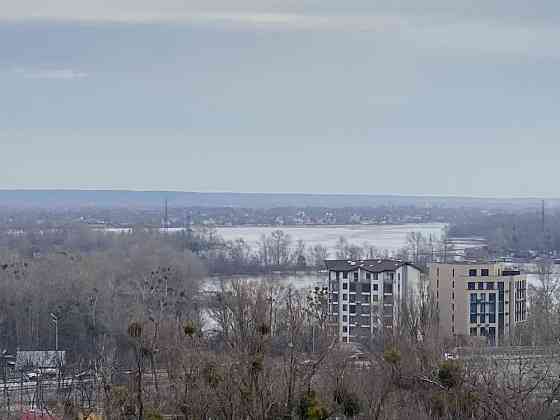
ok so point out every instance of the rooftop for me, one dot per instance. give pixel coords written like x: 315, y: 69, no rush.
x: 373, y: 265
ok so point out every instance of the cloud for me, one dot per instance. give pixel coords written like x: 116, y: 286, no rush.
x: 51, y: 74
x: 492, y: 26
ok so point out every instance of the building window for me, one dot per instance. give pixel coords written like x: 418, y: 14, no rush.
x: 471, y: 286
x: 345, y: 329
x: 344, y: 318
x: 352, y: 287
x: 345, y: 275
x: 376, y: 276
x: 482, y: 332
x: 375, y: 287
x: 472, y: 273
x: 482, y: 318
x: 356, y: 277
x: 387, y: 288
x: 338, y: 275
x: 352, y: 309
x: 344, y: 286
x: 375, y: 298
x: 474, y: 332
x: 490, y: 286
x: 492, y: 318
x: 500, y: 285
x: 345, y: 308
x: 473, y: 318
x: 352, y: 298
x: 484, y: 272
x: 344, y: 296
x: 492, y: 335
x: 480, y: 285
x: 368, y: 276
x: 366, y: 288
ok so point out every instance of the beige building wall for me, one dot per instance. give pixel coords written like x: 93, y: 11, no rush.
x: 461, y: 288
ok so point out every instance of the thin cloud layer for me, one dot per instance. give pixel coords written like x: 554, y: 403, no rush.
x: 493, y: 26
x: 273, y: 11
x: 51, y: 74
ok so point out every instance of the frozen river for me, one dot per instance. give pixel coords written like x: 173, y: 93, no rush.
x: 390, y: 237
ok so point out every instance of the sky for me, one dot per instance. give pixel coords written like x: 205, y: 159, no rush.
x: 431, y: 97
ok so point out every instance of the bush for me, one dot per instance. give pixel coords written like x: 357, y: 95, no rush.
x: 152, y: 414
x: 311, y: 408
x: 189, y: 328
x: 450, y: 374
x: 392, y: 356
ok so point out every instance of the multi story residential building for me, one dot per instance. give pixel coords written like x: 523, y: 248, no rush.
x: 365, y: 295
x: 479, y: 300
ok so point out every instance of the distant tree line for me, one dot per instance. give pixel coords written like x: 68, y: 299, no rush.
x: 522, y: 234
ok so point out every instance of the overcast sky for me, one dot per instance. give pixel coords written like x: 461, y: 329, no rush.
x: 404, y: 97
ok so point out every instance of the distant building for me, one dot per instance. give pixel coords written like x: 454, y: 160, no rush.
x: 479, y: 300
x: 365, y: 295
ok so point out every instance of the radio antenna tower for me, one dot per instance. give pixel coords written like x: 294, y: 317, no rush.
x: 165, y: 216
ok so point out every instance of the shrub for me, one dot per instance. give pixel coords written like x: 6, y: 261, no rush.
x: 189, y: 328
x: 450, y: 374
x: 311, y: 408
x: 392, y: 356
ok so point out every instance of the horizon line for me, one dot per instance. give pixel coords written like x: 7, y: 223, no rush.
x: 361, y: 194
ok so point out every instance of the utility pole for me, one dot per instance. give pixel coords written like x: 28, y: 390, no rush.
x: 543, y: 228
x: 165, y: 216
x: 54, y: 320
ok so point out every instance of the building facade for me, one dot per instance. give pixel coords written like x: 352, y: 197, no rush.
x: 365, y: 295
x: 479, y: 300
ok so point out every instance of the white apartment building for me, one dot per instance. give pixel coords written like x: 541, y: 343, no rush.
x: 365, y: 295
